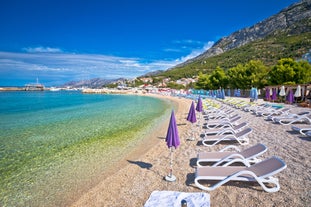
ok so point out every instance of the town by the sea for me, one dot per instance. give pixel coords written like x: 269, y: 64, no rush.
x: 53, y: 143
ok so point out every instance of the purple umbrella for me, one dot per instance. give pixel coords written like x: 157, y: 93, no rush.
x: 267, y: 94
x: 192, y: 118
x: 199, y: 107
x: 191, y: 115
x: 274, y: 94
x: 290, y: 96
x: 172, y: 140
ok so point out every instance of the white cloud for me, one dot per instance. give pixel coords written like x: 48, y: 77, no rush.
x: 74, y: 66
x: 63, y: 67
x: 192, y: 48
x: 188, y: 42
x: 196, y: 52
x: 42, y: 50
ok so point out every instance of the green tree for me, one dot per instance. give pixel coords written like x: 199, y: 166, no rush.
x: 174, y: 85
x: 237, y: 77
x: 203, y: 82
x: 283, y: 72
x: 256, y: 74
x: 302, y: 72
x: 157, y: 80
x: 218, y: 79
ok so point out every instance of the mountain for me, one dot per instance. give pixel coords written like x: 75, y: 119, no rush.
x: 153, y: 73
x: 290, y: 20
x: 92, y: 83
x: 282, y: 33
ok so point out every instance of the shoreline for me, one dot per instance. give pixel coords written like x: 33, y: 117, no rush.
x: 133, y: 182
x: 133, y: 162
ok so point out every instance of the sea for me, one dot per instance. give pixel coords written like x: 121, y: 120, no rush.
x: 53, y: 144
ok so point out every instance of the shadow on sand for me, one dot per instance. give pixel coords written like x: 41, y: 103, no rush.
x: 142, y: 165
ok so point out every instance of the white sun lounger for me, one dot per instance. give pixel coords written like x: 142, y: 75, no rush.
x: 222, y: 123
x: 240, y: 137
x: 301, y: 130
x: 260, y: 172
x: 221, y: 115
x: 227, y: 130
x: 303, y: 118
x: 274, y: 112
x: 226, y: 158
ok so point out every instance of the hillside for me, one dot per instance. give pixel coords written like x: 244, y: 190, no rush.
x: 286, y: 34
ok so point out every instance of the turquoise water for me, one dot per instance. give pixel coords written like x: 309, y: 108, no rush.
x: 52, y: 143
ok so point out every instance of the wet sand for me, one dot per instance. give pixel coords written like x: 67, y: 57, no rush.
x: 131, y: 182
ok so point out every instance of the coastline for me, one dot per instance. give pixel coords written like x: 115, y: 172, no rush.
x: 61, y: 178
x: 110, y: 192
x: 132, y: 181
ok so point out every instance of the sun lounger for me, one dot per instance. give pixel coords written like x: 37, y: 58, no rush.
x: 303, y: 118
x: 274, y: 112
x: 261, y: 172
x: 275, y: 118
x: 222, y: 118
x: 253, y: 107
x: 262, y: 108
x: 301, y: 130
x: 227, y: 130
x: 221, y: 115
x: 222, y: 123
x: 240, y: 137
x: 226, y: 158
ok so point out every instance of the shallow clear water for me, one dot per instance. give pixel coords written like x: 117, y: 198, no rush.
x: 52, y: 143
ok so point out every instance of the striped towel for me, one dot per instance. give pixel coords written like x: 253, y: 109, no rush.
x: 173, y: 199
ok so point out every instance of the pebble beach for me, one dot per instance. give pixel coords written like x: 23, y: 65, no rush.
x: 132, y: 180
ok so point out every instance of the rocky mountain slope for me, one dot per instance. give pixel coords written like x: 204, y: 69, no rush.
x: 294, y: 19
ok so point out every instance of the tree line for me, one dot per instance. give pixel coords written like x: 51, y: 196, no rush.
x: 255, y: 74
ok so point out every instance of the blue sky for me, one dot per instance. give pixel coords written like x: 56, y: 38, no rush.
x: 69, y: 40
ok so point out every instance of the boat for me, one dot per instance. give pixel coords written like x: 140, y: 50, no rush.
x: 55, y: 89
x: 34, y: 86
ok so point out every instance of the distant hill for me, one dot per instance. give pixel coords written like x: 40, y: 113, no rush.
x: 286, y: 34
x: 92, y: 83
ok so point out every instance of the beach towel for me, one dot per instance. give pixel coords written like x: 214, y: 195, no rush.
x: 174, y: 198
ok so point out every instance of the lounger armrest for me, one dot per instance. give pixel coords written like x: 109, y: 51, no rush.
x: 230, y: 147
x: 226, y: 131
x: 233, y: 158
x: 261, y: 181
x: 238, y: 160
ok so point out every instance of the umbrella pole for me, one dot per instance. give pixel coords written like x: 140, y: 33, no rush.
x: 170, y: 177
x: 200, y: 119
x: 192, y: 132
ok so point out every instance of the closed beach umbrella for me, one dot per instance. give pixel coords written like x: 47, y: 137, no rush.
x: 274, y: 97
x: 223, y: 93
x: 267, y: 94
x: 298, y: 91
x: 199, y: 106
x: 282, y: 91
x: 172, y: 140
x: 254, y: 94
x: 228, y: 92
x: 290, y: 96
x: 191, y: 115
x: 192, y: 118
